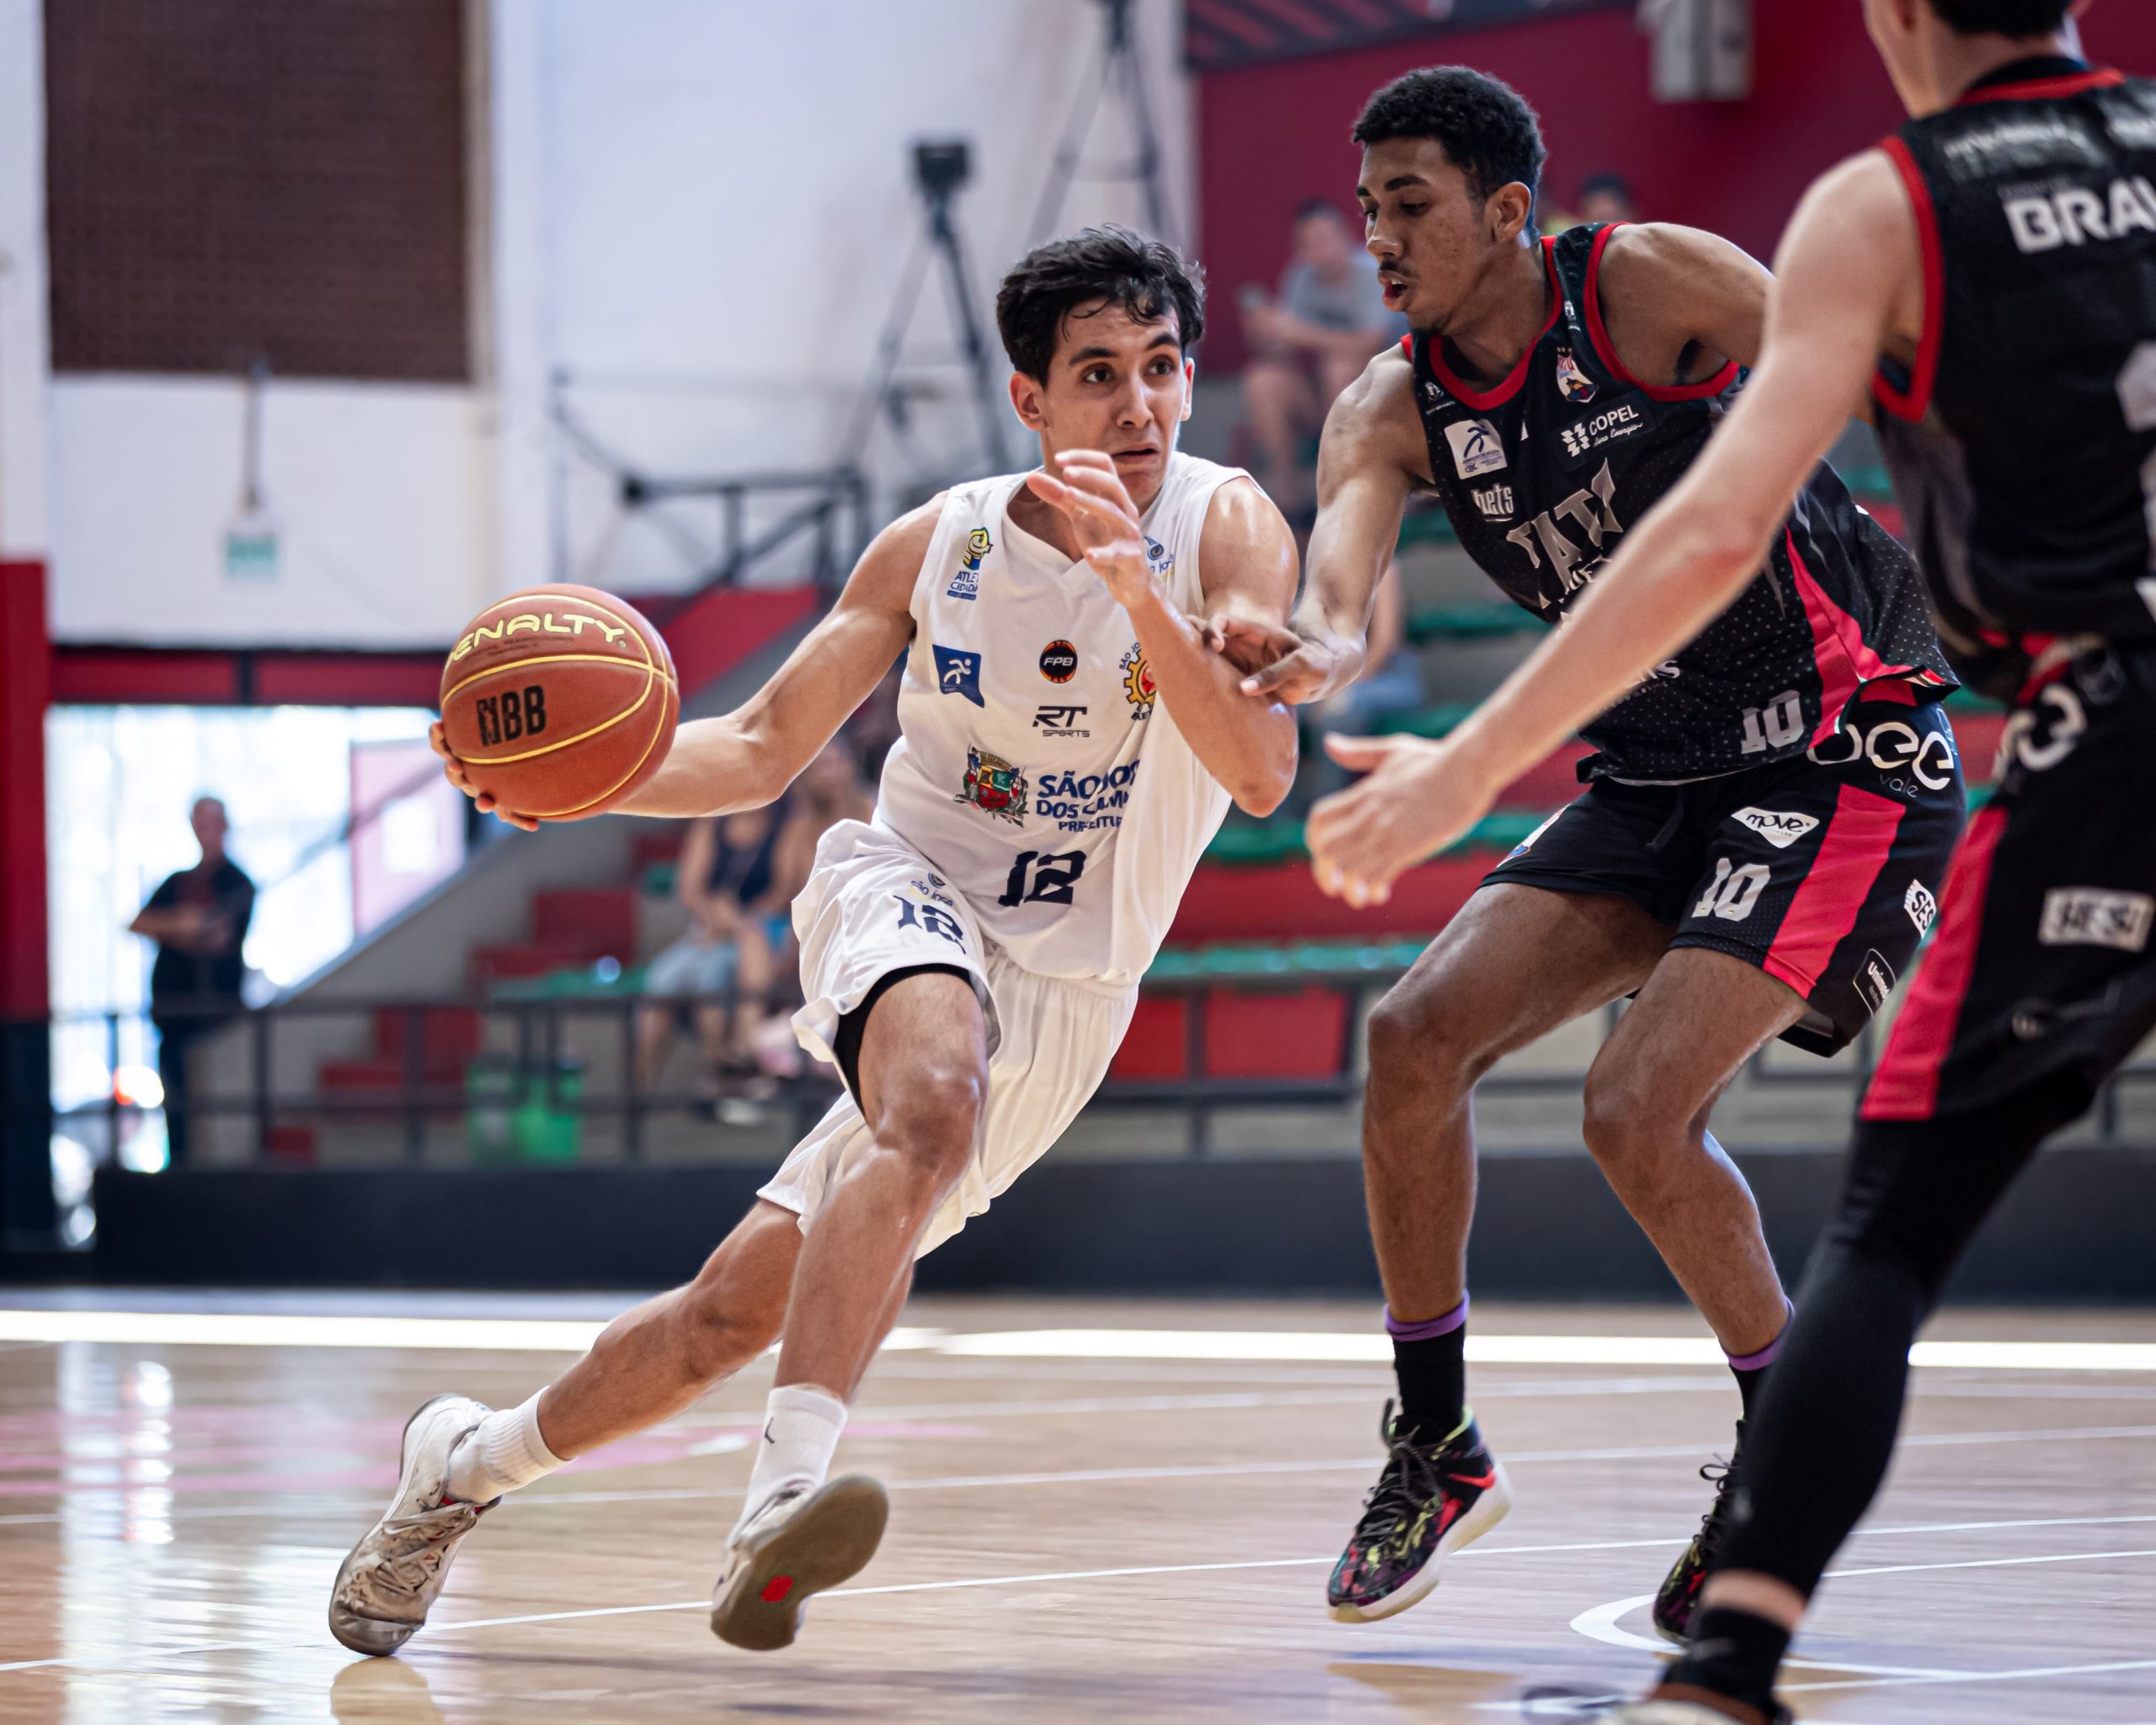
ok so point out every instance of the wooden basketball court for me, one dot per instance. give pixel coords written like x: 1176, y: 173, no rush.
x: 1101, y: 1512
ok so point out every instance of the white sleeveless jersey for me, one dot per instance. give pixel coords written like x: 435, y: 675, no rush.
x: 1036, y: 770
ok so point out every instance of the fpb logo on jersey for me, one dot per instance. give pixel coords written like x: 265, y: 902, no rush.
x: 1476, y: 448
x: 958, y: 674
x: 1058, y: 661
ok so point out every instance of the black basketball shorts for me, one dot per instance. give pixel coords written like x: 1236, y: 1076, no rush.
x: 1822, y: 870
x: 2042, y: 965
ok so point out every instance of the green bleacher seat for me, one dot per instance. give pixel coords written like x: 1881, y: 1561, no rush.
x: 1476, y: 619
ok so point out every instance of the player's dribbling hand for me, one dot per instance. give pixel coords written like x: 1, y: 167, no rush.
x: 1091, y: 495
x: 1418, y: 797
x: 1282, y: 664
x: 453, y: 770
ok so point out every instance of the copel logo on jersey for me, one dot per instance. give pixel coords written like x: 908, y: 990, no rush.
x: 1577, y: 386
x: 1476, y: 448
x: 1058, y: 661
x: 1779, y: 829
x: 993, y: 786
x: 1601, y: 431
x: 1138, y: 687
x: 966, y: 584
x: 958, y: 674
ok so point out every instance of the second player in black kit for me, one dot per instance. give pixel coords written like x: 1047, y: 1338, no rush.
x: 1997, y: 259
x: 1785, y: 788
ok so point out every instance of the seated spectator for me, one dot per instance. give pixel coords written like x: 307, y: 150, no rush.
x: 739, y: 933
x: 1606, y: 197
x: 197, y: 918
x: 1309, y: 344
x: 1391, y: 680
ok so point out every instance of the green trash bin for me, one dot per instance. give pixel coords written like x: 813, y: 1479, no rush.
x: 491, y: 1094
x: 548, y: 1126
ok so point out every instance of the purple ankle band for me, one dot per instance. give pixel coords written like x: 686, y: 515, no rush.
x: 1430, y: 1329
x: 1765, y: 1356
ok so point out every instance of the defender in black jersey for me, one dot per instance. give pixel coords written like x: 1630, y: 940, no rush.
x: 1995, y: 263
x: 1768, y: 814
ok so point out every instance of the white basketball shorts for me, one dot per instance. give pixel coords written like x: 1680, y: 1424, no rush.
x: 874, y: 906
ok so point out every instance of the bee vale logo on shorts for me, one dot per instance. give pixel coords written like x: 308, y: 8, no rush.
x: 2095, y: 916
x: 993, y: 786
x: 1780, y: 829
x: 1476, y: 448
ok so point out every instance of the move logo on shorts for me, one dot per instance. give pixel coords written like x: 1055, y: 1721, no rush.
x: 2093, y: 916
x: 1476, y: 448
x: 1782, y: 831
x: 1922, y: 908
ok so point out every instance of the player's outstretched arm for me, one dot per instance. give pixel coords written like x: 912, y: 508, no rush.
x: 1368, y: 457
x: 750, y: 756
x: 1850, y: 287
x: 1246, y: 568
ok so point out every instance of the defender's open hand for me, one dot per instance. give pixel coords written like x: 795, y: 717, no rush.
x: 1418, y: 797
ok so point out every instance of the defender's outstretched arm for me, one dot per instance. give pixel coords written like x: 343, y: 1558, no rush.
x: 1849, y: 287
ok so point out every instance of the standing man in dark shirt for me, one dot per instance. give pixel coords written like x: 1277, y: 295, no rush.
x: 197, y: 918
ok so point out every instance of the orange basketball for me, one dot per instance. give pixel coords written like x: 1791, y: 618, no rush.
x: 559, y: 700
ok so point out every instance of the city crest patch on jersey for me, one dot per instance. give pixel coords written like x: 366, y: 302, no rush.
x: 966, y: 584
x: 1577, y: 386
x: 1159, y: 559
x: 1138, y: 687
x: 993, y: 786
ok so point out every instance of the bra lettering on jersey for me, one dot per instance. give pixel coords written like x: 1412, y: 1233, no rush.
x: 2075, y: 217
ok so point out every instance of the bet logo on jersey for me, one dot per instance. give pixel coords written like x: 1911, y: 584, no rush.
x: 966, y: 584
x: 1138, y: 686
x: 993, y: 786
x: 958, y: 674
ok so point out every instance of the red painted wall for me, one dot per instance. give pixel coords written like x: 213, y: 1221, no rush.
x: 1271, y: 137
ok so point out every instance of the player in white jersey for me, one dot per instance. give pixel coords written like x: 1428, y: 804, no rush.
x: 970, y: 957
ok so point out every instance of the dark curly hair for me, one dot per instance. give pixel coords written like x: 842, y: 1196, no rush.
x: 2003, y: 18
x: 1489, y: 132
x: 1105, y: 265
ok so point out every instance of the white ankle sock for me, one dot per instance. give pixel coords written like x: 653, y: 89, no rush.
x: 504, y: 1451
x: 801, y: 1425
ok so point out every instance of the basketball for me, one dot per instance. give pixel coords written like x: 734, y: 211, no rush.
x: 560, y: 702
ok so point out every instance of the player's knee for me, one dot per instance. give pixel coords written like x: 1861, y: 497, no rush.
x: 930, y: 1120
x: 1627, y: 1125
x: 1421, y: 1034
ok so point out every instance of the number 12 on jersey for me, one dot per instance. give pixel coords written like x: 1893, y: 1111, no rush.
x: 1036, y: 879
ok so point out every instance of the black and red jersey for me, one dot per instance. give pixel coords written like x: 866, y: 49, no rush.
x: 1543, y: 472
x: 2023, y: 439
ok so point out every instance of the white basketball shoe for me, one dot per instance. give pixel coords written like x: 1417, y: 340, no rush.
x: 393, y: 1576
x: 799, y: 1543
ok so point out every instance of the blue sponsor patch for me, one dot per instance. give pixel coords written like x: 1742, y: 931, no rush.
x: 958, y: 674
